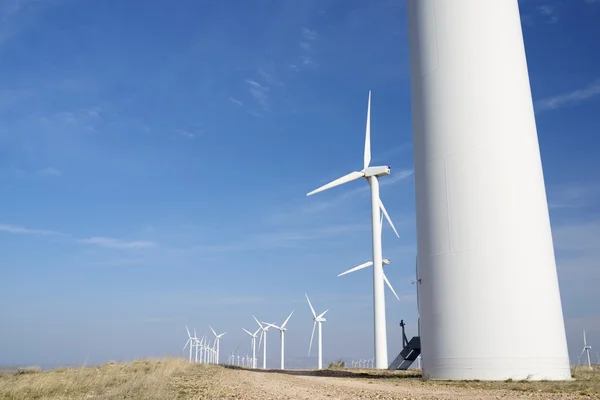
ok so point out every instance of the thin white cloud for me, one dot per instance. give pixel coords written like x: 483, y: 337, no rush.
x: 116, y: 243
x: 236, y: 101
x: 49, y: 172
x: 573, y: 195
x: 305, y: 45
x: 185, y: 133
x: 570, y: 98
x: 308, y: 34
x: 26, y: 231
x: 259, y: 92
x: 550, y: 12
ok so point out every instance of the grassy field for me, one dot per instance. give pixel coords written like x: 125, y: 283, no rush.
x: 177, y: 379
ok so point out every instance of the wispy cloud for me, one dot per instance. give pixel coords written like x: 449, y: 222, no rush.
x: 259, y: 92
x: 592, y: 1
x: 307, y: 43
x: 117, y: 243
x: 573, y: 195
x: 107, y: 242
x: 50, y: 172
x: 26, y: 231
x: 185, y: 133
x: 236, y: 101
x: 570, y: 98
x: 549, y: 12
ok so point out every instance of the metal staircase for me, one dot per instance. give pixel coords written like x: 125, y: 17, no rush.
x: 410, y: 352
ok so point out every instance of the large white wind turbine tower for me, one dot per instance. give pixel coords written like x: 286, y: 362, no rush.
x: 489, y: 299
x: 217, y: 343
x: 263, y: 338
x: 318, y: 320
x: 586, y: 349
x: 282, y: 330
x: 372, y: 175
x: 253, y: 336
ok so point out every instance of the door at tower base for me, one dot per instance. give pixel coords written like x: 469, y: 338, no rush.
x: 489, y: 301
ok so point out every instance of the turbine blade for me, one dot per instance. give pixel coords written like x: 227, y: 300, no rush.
x: 260, y: 340
x: 381, y: 224
x: 247, y: 332
x: 195, y: 333
x: 323, y: 313
x: 368, y: 135
x: 390, y: 286
x: 255, y: 333
x: 388, y: 217
x: 213, y: 331
x: 584, y: 341
x: 582, y: 351
x: 259, y: 324
x: 340, y: 181
x: 286, y: 320
x: 311, y: 307
x: 188, y: 331
x: 361, y: 266
x: 186, y: 343
x: 311, y: 337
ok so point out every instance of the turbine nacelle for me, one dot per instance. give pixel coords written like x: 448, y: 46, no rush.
x: 376, y: 171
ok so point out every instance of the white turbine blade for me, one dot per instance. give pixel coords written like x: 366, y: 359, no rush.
x: 195, y: 335
x: 584, y: 341
x: 381, y: 223
x: 271, y: 325
x: 286, y: 320
x: 388, y: 217
x: 323, y: 313
x: 260, y: 340
x: 368, y: 135
x: 221, y: 335
x: 186, y: 343
x: 213, y: 331
x: 582, y: 351
x: 247, y: 332
x: 188, y: 331
x: 340, y: 181
x: 390, y: 286
x: 259, y: 324
x: 311, y: 337
x: 311, y: 307
x: 255, y: 333
x: 361, y: 266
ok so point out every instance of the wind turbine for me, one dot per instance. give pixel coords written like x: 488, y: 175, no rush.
x: 217, y: 341
x: 318, y: 319
x: 253, y: 336
x: 263, y: 334
x: 586, y: 349
x: 282, y: 330
x: 191, y: 341
x: 371, y: 174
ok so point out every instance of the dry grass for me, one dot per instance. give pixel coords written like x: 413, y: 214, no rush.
x: 146, y: 379
x: 176, y: 379
x: 586, y: 383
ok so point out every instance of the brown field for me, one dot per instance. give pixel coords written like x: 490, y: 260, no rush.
x: 177, y: 379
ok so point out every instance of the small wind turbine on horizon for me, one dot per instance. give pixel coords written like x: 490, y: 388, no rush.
x: 371, y: 174
x: 263, y: 335
x: 253, y: 336
x: 318, y: 319
x: 586, y: 349
x: 282, y: 330
x: 192, y: 341
x: 217, y: 343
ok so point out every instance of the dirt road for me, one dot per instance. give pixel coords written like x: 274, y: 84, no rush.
x: 245, y: 384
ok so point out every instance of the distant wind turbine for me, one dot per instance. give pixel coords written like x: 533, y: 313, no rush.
x: 217, y: 342
x: 586, y: 349
x: 264, y: 342
x: 282, y: 330
x: 253, y: 336
x: 318, y: 319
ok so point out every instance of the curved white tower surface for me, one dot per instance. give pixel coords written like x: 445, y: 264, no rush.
x: 489, y: 299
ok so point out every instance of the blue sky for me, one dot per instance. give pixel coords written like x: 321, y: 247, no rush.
x: 154, y: 163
